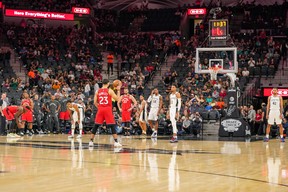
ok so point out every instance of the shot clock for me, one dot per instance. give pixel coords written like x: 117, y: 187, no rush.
x: 218, y: 31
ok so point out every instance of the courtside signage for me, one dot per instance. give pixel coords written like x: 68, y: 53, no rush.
x: 281, y: 92
x: 39, y: 14
x: 80, y: 10
x: 0, y: 5
x: 200, y: 11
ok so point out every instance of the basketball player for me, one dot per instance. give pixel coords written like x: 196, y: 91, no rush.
x: 12, y: 115
x: 76, y: 113
x: 174, y: 109
x: 274, y: 114
x: 155, y: 100
x: 64, y: 115
x: 125, y: 107
x: 103, y: 101
x: 143, y: 115
x: 27, y: 116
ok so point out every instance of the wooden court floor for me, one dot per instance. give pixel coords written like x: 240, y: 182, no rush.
x: 53, y: 163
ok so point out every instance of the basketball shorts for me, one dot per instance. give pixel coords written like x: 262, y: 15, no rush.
x: 64, y: 115
x: 126, y: 116
x: 7, y: 114
x: 105, y: 114
x: 27, y: 116
x: 274, y: 116
x: 143, y: 117
x: 75, y: 116
x: 153, y: 114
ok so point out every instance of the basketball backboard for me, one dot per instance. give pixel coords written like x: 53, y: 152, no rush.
x: 225, y: 57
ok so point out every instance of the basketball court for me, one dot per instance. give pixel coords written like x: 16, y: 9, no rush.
x: 52, y: 163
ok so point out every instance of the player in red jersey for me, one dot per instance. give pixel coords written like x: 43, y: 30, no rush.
x: 12, y: 114
x: 28, y: 115
x: 103, y: 101
x: 126, y: 109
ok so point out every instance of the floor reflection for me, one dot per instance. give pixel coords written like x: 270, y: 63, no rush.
x: 173, y: 172
x: 77, y: 156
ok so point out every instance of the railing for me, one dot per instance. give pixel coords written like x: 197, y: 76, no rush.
x: 159, y: 68
x: 249, y: 93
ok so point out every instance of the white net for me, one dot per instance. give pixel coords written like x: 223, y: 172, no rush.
x: 213, y: 73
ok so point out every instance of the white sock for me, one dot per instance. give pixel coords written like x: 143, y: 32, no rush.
x: 72, y: 132
x: 267, y: 136
x: 281, y: 136
x: 175, y: 137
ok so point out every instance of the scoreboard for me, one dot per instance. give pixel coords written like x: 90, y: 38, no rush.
x: 218, y: 31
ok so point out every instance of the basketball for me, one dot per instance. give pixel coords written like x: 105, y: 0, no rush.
x: 116, y: 83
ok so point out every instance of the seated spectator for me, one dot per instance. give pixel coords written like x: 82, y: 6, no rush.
x: 196, y: 125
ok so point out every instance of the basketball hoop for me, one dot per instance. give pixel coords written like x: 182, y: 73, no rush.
x: 214, y: 71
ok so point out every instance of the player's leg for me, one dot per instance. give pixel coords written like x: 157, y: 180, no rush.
x: 151, y: 119
x: 73, y: 124
x: 143, y: 127
x: 278, y: 120
x: 126, y: 118
x: 80, y: 125
x: 99, y: 120
x: 174, y: 125
x: 110, y: 122
x: 30, y: 122
x: 266, y: 139
x: 270, y: 122
x: 281, y: 130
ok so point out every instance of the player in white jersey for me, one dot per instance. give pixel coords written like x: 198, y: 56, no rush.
x: 274, y: 113
x: 156, y: 101
x: 143, y: 114
x: 174, y: 109
x: 77, y: 116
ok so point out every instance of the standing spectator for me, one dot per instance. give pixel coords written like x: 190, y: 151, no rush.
x: 259, y: 122
x: 96, y: 86
x: 37, y: 113
x: 251, y: 62
x: 110, y: 61
x: 245, y: 72
x: 251, y: 118
x: 87, y: 89
x: 53, y: 108
x: 3, y: 104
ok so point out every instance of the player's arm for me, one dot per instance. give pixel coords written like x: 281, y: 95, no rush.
x: 142, y: 107
x: 179, y: 102
x: 268, y: 107
x: 281, y: 107
x: 134, y: 103
x: 32, y: 104
x: 150, y: 97
x: 119, y: 104
x: 160, y: 104
x: 96, y: 99
x: 59, y: 107
x: 113, y: 95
